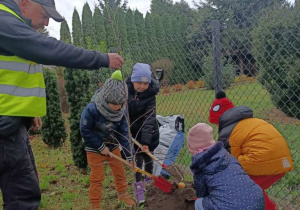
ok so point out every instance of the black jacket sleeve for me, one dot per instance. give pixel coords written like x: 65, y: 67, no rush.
x: 17, y: 38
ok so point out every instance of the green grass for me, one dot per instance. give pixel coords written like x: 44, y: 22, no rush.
x: 64, y: 186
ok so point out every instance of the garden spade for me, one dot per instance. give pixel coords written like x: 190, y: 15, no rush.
x: 159, y: 182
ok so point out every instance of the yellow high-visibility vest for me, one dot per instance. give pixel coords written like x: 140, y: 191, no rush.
x: 22, y: 85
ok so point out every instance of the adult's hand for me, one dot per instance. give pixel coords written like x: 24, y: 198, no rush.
x: 36, y: 124
x: 115, y: 60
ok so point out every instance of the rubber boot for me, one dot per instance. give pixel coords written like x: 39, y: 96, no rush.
x: 139, y: 192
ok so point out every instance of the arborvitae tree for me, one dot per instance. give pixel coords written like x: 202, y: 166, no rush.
x: 77, y: 32
x: 175, y: 25
x: 150, y: 32
x: 153, y: 46
x: 167, y: 24
x: 182, y: 11
x: 141, y: 47
x: 65, y: 34
x: 89, y: 41
x: 170, y: 38
x: 87, y: 27
x: 179, y: 18
x: 131, y: 28
x: 109, y: 19
x: 114, y: 22
x: 98, y: 24
x: 160, y: 7
x: 77, y: 87
x: 113, y: 4
x: 97, y: 76
x: 140, y: 26
x: 160, y: 36
x: 122, y: 29
x: 53, y: 130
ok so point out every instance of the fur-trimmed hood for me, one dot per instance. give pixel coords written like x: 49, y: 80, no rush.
x: 211, y: 161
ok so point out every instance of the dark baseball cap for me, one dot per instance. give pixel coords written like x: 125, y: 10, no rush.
x: 49, y: 7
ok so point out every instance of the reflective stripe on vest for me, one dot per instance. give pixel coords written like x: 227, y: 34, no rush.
x: 6, y: 9
x: 22, y: 86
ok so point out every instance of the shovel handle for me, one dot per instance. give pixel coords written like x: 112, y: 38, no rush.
x: 135, y: 169
x: 120, y: 159
x: 149, y: 153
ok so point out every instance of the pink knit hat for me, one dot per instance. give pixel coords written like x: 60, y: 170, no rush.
x: 200, y: 136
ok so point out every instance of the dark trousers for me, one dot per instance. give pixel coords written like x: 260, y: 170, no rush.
x: 18, y: 177
x: 140, y: 159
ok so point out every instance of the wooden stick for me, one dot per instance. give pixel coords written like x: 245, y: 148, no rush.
x: 120, y: 159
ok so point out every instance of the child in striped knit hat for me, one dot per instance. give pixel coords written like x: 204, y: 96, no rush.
x: 103, y: 127
x: 219, y: 180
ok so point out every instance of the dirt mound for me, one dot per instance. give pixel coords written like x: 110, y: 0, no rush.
x: 156, y: 199
x: 176, y: 172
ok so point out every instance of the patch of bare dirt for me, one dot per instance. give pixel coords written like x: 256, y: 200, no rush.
x: 175, y: 171
x: 176, y: 200
x: 275, y: 115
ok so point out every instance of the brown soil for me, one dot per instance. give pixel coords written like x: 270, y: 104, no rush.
x: 177, y: 200
x: 276, y: 115
x: 175, y: 171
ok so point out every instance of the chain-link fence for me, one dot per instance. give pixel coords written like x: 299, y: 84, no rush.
x: 250, y: 49
x: 254, y: 57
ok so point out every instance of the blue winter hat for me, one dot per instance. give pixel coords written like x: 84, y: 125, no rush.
x: 141, y: 72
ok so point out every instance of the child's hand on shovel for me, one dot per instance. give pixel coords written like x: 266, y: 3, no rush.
x: 105, y: 151
x: 145, y: 148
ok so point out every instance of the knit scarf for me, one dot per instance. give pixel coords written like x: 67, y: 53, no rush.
x: 108, y: 113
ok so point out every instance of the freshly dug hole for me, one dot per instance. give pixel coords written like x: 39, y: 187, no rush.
x: 156, y: 199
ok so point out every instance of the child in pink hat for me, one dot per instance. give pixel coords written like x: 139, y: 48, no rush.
x: 219, y: 180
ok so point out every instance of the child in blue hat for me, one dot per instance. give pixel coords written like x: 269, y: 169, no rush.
x: 142, y: 90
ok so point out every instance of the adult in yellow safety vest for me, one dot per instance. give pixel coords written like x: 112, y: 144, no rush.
x: 22, y: 90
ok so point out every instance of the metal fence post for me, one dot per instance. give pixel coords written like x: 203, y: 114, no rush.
x: 218, y: 84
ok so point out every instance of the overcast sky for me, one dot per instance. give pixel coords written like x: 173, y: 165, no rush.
x: 66, y: 8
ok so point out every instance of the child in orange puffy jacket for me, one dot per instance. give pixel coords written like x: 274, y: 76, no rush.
x: 259, y: 147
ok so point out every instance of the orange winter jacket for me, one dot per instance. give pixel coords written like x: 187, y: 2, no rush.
x: 258, y: 145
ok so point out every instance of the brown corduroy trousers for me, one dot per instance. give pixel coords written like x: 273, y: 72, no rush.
x: 96, y: 165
